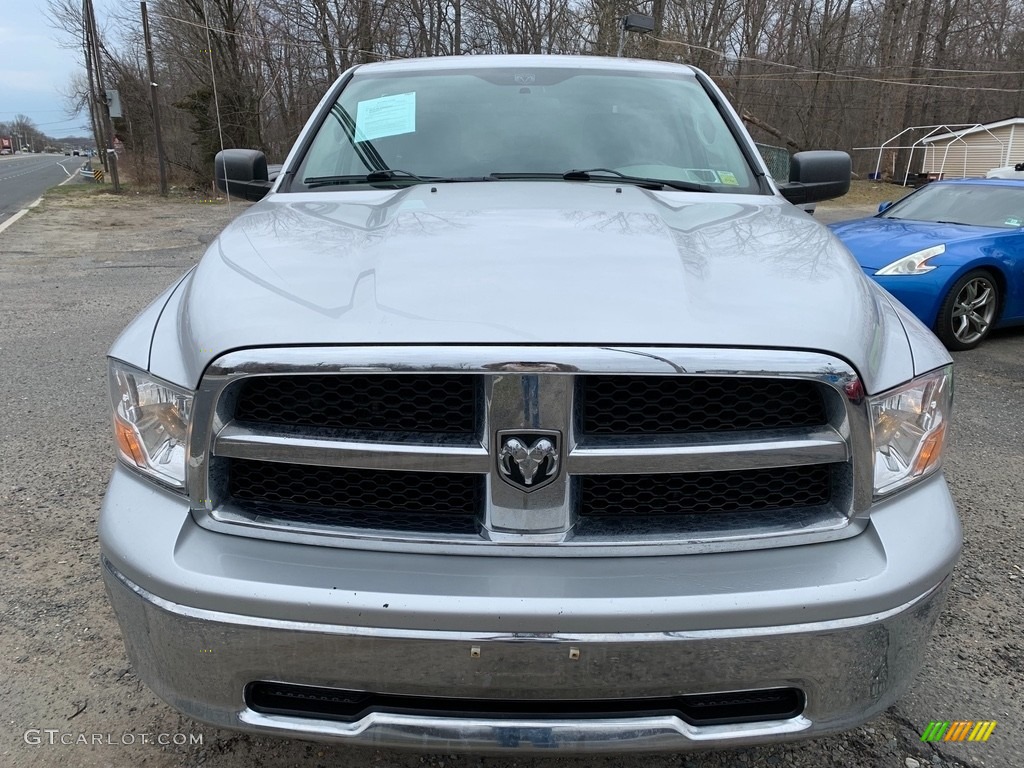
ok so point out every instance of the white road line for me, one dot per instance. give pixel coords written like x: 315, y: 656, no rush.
x: 13, y: 219
x: 30, y: 169
x: 69, y: 178
x: 64, y: 169
x: 18, y: 175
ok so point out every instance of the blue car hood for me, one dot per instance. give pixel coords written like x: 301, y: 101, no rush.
x: 876, y: 242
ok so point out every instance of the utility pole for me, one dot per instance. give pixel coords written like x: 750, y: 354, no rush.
x: 94, y: 119
x: 90, y: 19
x: 161, y: 163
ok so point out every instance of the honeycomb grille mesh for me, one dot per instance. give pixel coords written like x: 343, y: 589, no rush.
x: 435, y: 403
x: 645, y: 405
x: 362, y: 498
x: 704, y: 492
x: 447, y: 408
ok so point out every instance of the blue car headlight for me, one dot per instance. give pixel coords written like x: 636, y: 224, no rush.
x: 914, y: 264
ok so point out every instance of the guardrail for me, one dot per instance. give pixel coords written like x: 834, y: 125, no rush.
x: 91, y: 174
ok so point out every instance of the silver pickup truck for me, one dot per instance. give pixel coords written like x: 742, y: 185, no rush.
x: 525, y: 412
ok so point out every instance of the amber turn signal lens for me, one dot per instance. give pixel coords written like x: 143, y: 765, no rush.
x: 151, y: 423
x: 128, y: 442
x: 908, y: 429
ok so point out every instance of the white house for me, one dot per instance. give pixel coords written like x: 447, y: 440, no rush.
x: 973, y: 151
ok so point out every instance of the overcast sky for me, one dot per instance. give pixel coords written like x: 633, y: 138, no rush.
x: 34, y: 69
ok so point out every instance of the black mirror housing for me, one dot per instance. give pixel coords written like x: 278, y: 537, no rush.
x: 817, y: 175
x: 638, y: 22
x: 242, y: 172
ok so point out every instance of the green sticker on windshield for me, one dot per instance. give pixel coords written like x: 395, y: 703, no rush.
x: 386, y: 116
x: 728, y: 178
x: 1012, y: 222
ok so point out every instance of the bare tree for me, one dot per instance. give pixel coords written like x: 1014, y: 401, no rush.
x: 805, y: 73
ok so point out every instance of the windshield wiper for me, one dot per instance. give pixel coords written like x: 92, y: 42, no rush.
x: 386, y: 176
x: 593, y: 174
x: 373, y: 177
x: 596, y: 174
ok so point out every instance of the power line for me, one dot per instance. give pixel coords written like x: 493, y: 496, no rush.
x: 836, y: 75
x: 59, y: 122
x: 787, y: 77
x: 216, y: 99
x: 294, y: 43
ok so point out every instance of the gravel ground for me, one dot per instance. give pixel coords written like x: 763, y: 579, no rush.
x: 77, y: 269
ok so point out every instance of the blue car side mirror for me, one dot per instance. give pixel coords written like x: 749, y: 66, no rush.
x: 883, y: 206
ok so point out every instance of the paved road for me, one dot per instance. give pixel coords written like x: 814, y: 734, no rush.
x: 23, y: 178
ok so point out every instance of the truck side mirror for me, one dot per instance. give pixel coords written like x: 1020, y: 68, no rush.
x: 242, y: 172
x: 817, y: 175
x: 884, y: 206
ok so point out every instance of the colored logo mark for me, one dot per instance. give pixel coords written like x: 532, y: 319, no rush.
x: 958, y: 730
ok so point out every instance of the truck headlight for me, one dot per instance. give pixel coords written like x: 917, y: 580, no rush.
x: 914, y: 264
x: 151, y: 423
x: 908, y: 430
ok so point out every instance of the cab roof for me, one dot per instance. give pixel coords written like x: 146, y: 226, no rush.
x: 511, y: 61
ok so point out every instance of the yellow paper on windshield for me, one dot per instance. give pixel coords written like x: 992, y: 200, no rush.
x: 386, y: 116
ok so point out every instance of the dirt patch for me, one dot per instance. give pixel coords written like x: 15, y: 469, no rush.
x: 85, y: 222
x: 868, y: 193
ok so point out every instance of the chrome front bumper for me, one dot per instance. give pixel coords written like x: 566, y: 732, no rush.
x: 204, y: 614
x: 200, y: 661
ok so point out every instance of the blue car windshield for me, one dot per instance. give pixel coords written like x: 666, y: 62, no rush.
x: 982, y: 205
x: 467, y: 123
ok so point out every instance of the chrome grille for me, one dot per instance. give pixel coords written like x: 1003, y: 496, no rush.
x: 418, y: 501
x: 655, y: 405
x: 735, y: 449
x: 439, y: 403
x: 701, y: 493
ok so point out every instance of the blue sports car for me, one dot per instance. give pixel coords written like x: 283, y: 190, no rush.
x: 952, y: 252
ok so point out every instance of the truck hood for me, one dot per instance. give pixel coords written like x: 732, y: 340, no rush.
x: 523, y: 263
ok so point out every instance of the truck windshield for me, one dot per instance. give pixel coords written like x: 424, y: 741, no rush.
x: 512, y: 122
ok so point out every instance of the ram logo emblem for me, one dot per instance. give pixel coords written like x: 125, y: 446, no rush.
x: 528, y: 460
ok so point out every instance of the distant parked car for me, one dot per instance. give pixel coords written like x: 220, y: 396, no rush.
x: 1007, y: 172
x: 952, y: 252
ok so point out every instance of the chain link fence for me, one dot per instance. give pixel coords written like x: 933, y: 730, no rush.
x: 777, y: 159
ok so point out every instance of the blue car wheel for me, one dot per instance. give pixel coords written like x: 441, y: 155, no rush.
x: 969, y: 310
